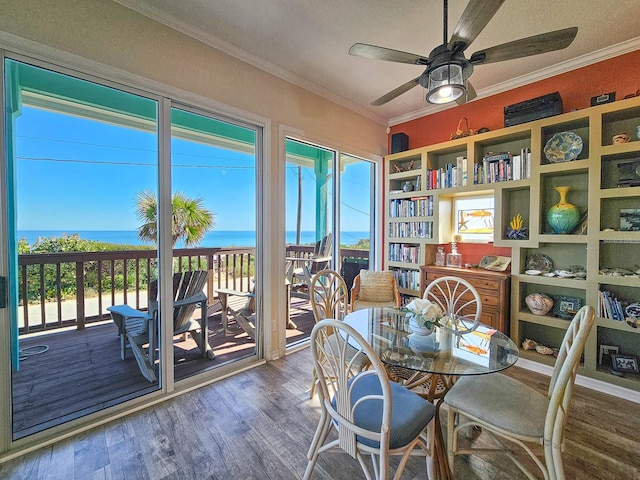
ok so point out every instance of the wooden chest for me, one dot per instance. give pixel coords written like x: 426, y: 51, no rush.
x: 493, y: 288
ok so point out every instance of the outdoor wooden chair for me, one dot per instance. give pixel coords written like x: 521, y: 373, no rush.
x: 241, y: 306
x: 138, y: 329
x: 301, y: 270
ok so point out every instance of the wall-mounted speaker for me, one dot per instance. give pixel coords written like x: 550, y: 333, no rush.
x: 399, y: 142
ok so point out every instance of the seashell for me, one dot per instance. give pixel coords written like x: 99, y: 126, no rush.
x: 533, y: 272
x: 564, y: 273
x: 549, y: 274
x: 529, y: 344
x: 541, y: 349
x: 580, y: 274
x: 539, y: 303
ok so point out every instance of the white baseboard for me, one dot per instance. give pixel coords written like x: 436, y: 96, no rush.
x: 592, y: 383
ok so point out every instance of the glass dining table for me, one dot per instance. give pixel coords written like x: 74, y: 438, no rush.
x: 432, y: 361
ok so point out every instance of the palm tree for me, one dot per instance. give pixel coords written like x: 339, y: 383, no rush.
x: 190, y: 220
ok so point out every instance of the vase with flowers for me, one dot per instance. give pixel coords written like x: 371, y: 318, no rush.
x: 424, y: 316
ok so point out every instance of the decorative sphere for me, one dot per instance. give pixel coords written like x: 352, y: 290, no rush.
x: 539, y: 303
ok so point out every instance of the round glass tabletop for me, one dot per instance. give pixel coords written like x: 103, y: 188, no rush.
x: 445, y: 351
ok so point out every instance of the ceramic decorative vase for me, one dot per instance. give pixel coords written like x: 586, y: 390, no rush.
x: 539, y: 303
x: 563, y: 217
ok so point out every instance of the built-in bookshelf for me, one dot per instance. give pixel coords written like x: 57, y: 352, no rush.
x: 598, y: 263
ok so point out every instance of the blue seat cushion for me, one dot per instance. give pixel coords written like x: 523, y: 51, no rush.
x: 410, y: 413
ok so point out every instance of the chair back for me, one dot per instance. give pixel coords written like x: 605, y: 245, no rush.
x: 324, y: 246
x: 329, y: 295
x: 185, y: 285
x: 458, y: 299
x: 332, y: 345
x: 564, y: 374
x: 374, y: 289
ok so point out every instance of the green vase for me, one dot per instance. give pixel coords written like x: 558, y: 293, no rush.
x: 563, y: 217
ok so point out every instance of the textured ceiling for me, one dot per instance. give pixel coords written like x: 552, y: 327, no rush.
x: 306, y: 42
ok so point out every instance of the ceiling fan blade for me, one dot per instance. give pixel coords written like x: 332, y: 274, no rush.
x: 545, y: 42
x: 469, y: 95
x: 388, y: 54
x: 473, y: 20
x: 395, y: 93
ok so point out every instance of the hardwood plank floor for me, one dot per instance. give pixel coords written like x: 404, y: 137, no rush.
x: 258, y: 425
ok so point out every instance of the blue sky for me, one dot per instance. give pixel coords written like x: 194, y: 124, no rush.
x: 76, y: 174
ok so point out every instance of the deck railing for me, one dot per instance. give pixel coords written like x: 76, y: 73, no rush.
x: 59, y: 290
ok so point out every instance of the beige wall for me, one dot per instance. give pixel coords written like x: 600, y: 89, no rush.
x: 106, y: 39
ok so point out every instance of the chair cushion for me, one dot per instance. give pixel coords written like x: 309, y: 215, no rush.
x: 410, y: 413
x: 500, y: 401
x: 376, y: 286
x: 361, y: 304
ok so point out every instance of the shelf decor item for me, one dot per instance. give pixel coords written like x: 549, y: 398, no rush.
x: 516, y: 229
x: 539, y: 303
x: 566, y: 307
x: 563, y: 147
x: 563, y: 217
x: 454, y: 259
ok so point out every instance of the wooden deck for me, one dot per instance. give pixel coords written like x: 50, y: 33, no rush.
x: 81, y: 372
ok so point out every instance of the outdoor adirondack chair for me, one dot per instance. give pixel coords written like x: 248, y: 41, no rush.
x: 301, y: 270
x: 241, y: 306
x: 139, y: 329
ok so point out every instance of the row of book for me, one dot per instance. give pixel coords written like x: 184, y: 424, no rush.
x: 494, y: 167
x: 402, y: 252
x: 449, y: 176
x: 503, y: 167
x: 409, y: 279
x: 411, y: 229
x: 609, y: 306
x: 414, y: 207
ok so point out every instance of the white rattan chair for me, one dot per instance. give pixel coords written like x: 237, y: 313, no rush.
x: 508, y: 409
x: 370, y: 414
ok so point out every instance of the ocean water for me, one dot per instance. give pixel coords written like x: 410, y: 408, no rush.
x: 215, y: 238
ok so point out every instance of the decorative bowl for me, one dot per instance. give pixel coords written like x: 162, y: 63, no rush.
x: 539, y: 303
x: 563, y: 147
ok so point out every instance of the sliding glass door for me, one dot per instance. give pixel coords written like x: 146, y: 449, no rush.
x: 78, y: 156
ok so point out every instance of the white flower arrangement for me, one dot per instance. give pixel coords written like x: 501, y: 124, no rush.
x: 425, y: 312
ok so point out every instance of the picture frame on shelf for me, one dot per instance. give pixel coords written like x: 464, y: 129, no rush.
x: 565, y: 307
x: 624, y: 363
x: 630, y: 219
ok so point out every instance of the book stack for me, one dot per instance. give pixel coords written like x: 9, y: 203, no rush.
x: 402, y: 252
x: 413, y: 207
x: 609, y: 306
x: 411, y: 230
x: 502, y: 167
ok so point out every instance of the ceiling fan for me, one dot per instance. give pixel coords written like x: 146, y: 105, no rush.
x: 448, y: 70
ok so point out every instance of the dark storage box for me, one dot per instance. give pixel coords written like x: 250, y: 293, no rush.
x: 534, y: 109
x: 399, y: 142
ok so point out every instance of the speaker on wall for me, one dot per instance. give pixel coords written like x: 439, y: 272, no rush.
x: 399, y: 142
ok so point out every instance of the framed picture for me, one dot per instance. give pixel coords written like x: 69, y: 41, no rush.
x: 630, y: 219
x: 566, y: 307
x: 624, y: 363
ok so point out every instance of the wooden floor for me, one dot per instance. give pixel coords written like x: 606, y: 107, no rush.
x: 81, y: 371
x: 258, y: 425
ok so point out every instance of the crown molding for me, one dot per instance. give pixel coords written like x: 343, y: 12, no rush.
x: 232, y: 50
x: 573, y: 64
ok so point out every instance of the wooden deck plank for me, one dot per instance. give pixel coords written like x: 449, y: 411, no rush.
x: 81, y: 372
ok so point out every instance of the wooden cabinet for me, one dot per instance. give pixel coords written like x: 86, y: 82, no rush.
x: 493, y: 288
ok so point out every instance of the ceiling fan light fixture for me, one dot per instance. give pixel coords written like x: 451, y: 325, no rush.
x: 445, y: 83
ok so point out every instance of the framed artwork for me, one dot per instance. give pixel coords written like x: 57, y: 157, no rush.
x: 624, y: 363
x: 566, y: 307
x: 630, y: 219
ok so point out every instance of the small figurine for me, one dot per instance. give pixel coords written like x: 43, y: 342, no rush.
x: 517, y: 230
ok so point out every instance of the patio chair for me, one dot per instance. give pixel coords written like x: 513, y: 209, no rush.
x: 138, y: 329
x: 301, y: 270
x: 370, y: 415
x: 241, y: 306
x: 374, y: 289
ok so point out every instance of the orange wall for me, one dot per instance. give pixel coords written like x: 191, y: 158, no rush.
x: 620, y: 74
